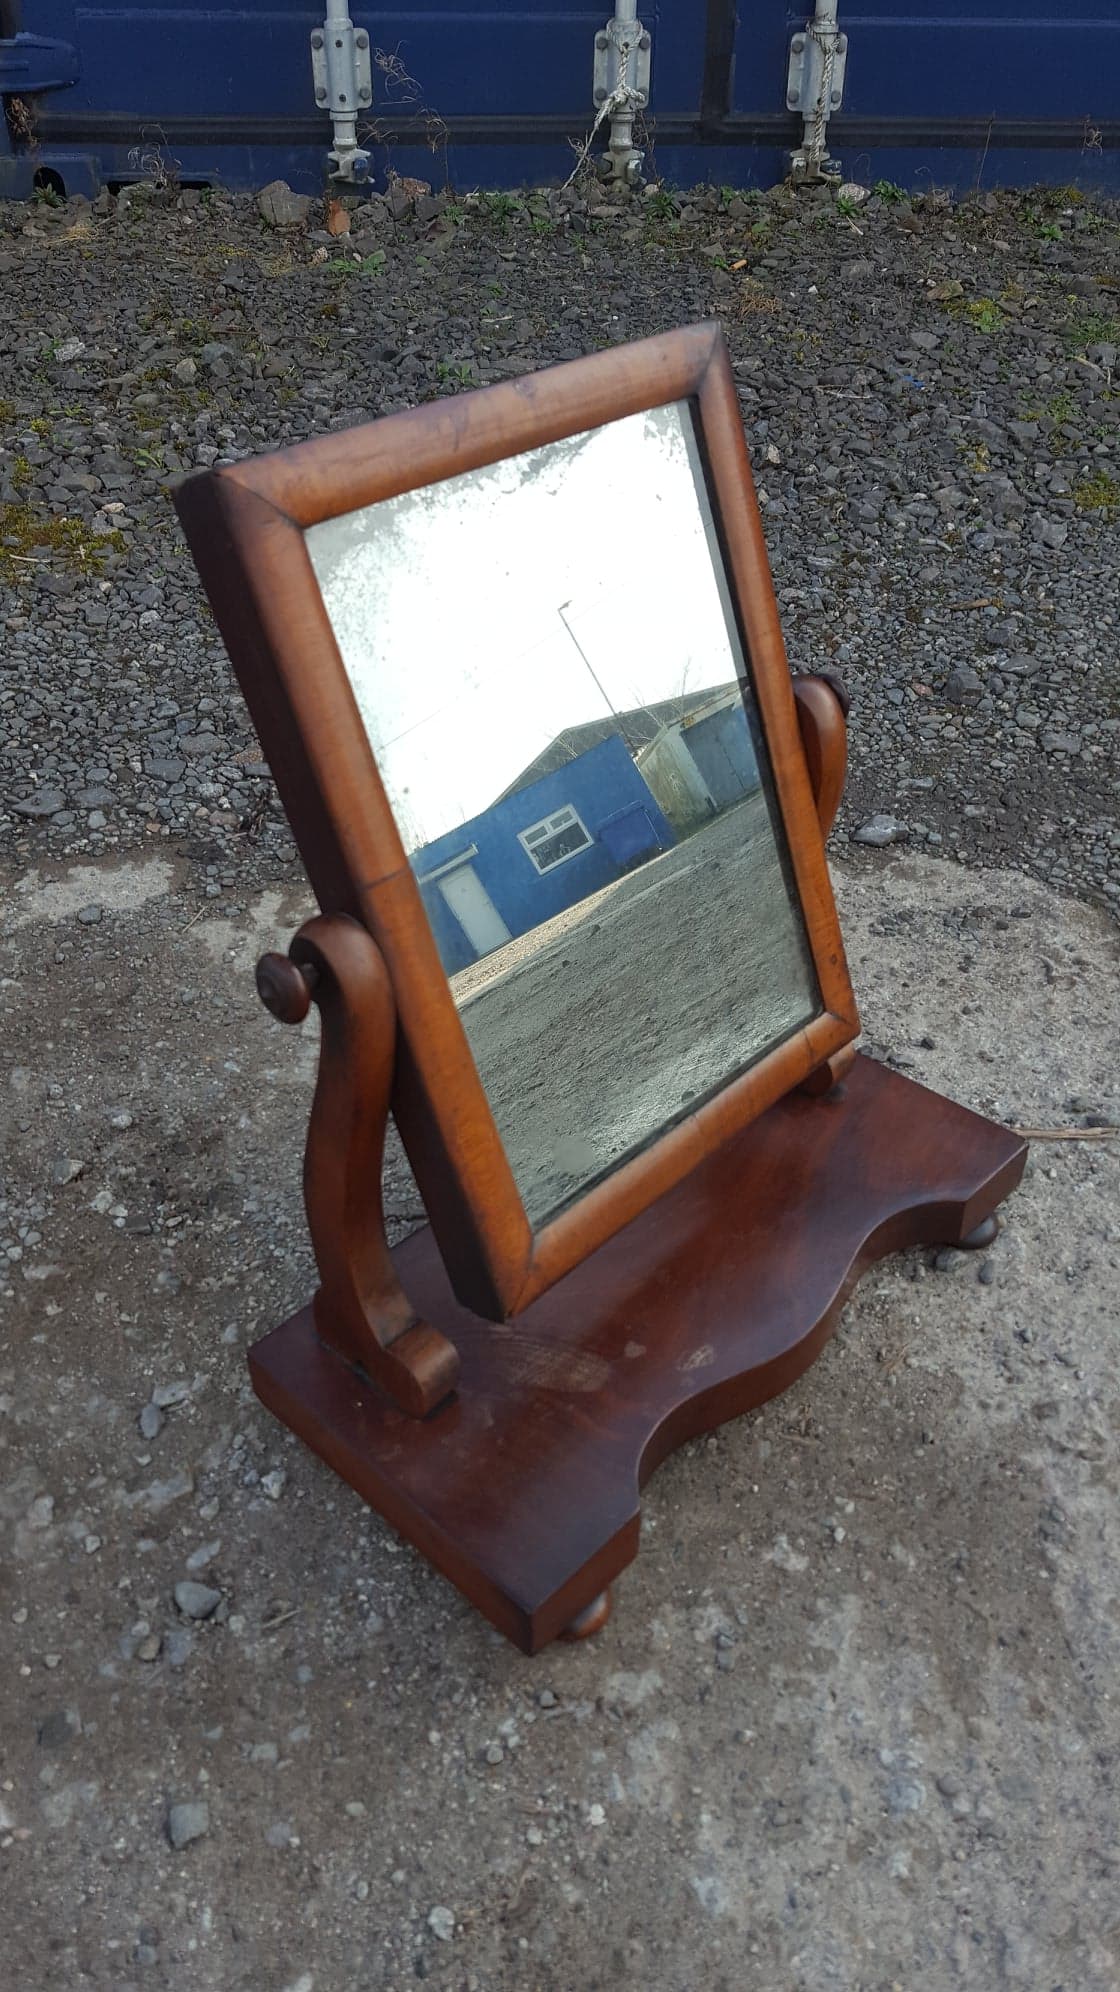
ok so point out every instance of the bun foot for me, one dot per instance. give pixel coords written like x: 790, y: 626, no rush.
x: 976, y: 1241
x: 591, y: 1619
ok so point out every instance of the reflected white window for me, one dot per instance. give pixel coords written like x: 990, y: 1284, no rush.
x: 555, y: 838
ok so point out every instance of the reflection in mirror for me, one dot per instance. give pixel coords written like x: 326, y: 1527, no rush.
x: 546, y: 661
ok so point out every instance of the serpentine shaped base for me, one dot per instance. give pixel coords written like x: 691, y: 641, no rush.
x: 524, y: 1487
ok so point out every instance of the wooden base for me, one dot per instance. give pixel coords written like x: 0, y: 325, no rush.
x: 524, y: 1487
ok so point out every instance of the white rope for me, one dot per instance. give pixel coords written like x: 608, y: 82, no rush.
x: 818, y: 142
x: 622, y: 98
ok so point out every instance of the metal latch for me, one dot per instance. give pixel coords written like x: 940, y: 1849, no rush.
x: 30, y: 64
x: 808, y: 59
x: 620, y: 88
x: 622, y: 59
x: 815, y: 88
x: 343, y: 79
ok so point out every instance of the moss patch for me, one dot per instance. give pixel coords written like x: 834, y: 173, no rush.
x: 29, y: 539
x: 1098, y: 493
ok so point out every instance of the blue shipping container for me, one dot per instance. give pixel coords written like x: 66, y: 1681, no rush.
x: 1020, y: 91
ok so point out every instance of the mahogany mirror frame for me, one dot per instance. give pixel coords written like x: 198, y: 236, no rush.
x: 245, y: 523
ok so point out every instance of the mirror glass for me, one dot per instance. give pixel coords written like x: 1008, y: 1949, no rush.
x: 547, y: 663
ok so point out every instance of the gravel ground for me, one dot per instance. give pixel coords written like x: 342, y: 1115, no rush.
x: 928, y: 392
x: 853, y: 1725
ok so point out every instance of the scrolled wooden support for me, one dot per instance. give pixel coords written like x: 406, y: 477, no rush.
x: 822, y: 718
x: 361, y: 1309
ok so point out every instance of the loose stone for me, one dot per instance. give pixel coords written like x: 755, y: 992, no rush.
x: 187, y: 1821
x: 151, y: 1421
x: 196, y: 1601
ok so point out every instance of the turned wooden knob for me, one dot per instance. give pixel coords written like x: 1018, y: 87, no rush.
x: 285, y: 986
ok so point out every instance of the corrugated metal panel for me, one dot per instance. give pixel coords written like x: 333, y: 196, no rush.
x: 1009, y: 59
x: 1017, y: 90
x: 1012, y: 59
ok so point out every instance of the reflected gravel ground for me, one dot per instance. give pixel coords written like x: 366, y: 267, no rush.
x: 595, y: 1031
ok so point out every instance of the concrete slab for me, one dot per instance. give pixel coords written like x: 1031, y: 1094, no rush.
x: 854, y: 1722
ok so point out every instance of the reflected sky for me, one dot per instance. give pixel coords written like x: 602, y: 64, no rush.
x: 480, y: 617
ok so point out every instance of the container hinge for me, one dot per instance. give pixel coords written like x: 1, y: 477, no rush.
x: 340, y: 71
x: 30, y: 64
x: 818, y: 56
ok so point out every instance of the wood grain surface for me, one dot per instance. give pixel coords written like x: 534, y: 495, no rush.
x: 245, y: 524
x: 524, y: 1487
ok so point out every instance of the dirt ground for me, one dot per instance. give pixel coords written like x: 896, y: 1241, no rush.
x: 854, y: 1722
x: 601, y: 1026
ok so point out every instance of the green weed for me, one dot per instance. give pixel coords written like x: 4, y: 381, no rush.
x: 982, y: 313
x: 342, y: 268
x: 499, y: 208
x: 1092, y: 328
x: 661, y: 205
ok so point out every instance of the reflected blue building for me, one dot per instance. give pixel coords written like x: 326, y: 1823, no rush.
x: 542, y: 847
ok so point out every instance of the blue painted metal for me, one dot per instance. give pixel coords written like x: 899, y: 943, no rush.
x: 1011, y: 92
x: 603, y: 786
x: 30, y: 64
x: 631, y: 836
x: 963, y: 84
x: 1012, y: 59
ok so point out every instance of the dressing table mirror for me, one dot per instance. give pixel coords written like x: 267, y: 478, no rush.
x: 514, y: 660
